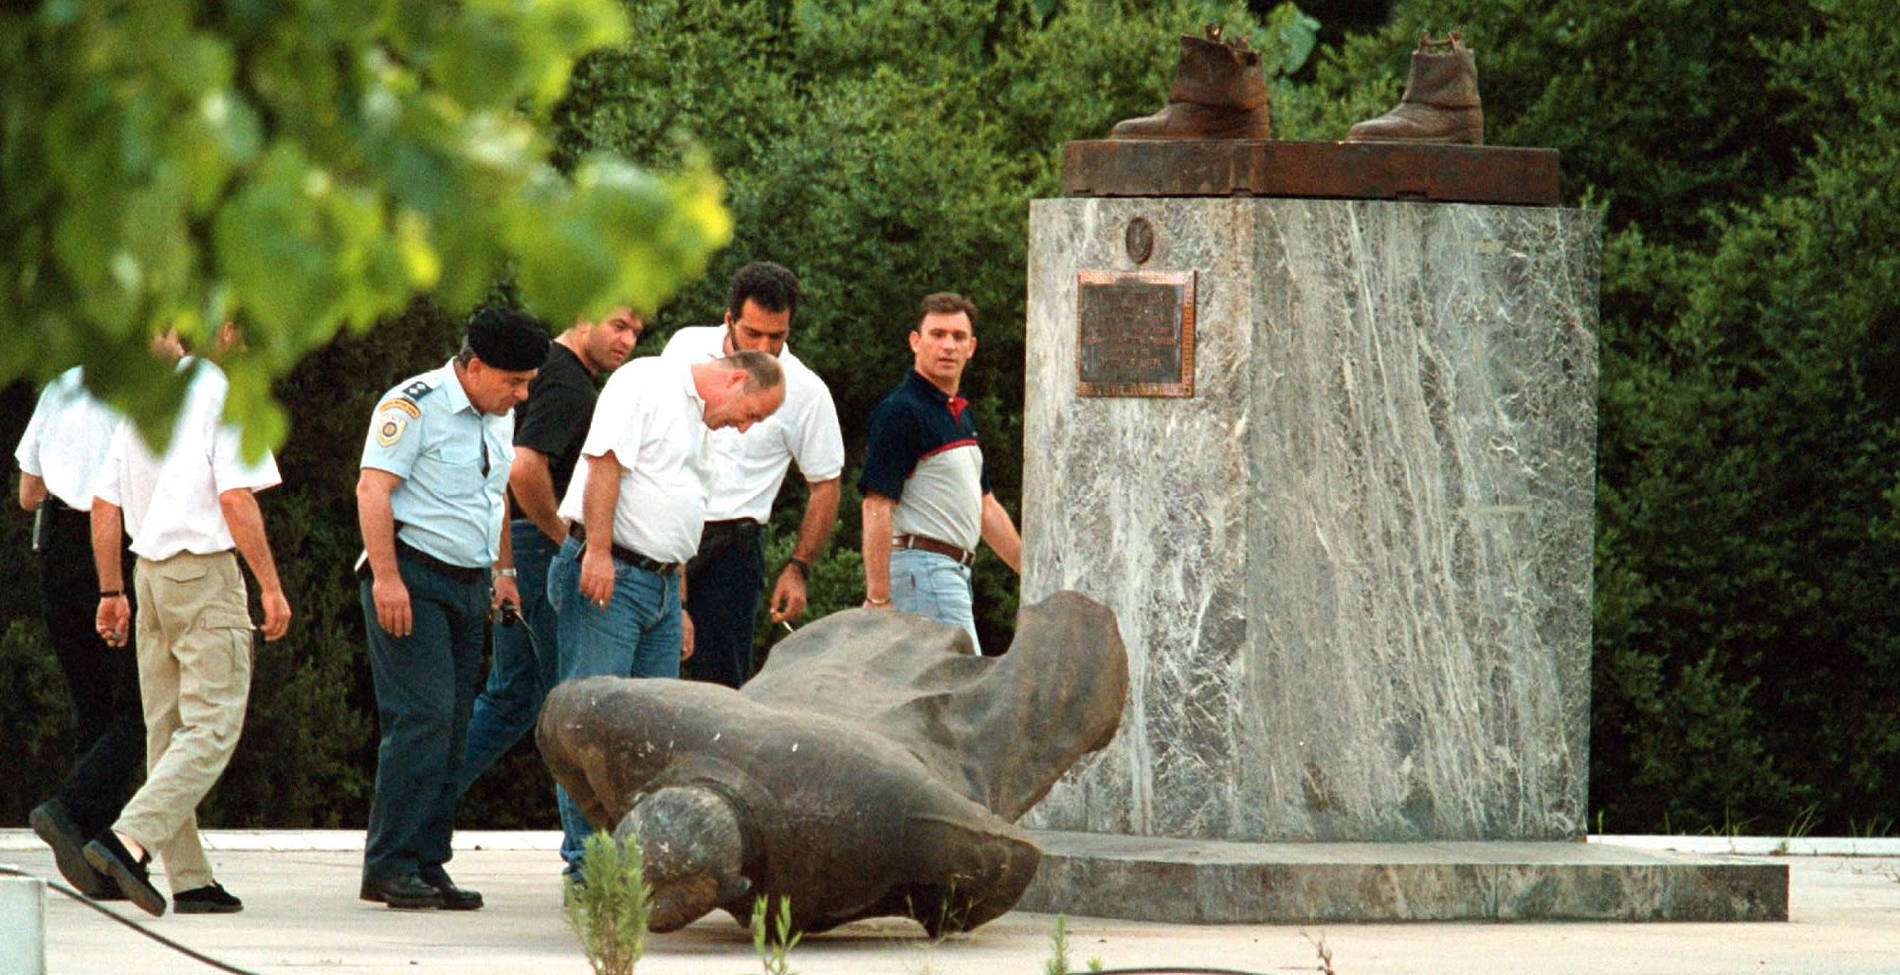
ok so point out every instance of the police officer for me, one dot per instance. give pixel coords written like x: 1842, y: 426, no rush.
x: 431, y: 505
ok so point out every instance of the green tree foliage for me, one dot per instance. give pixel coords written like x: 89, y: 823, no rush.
x: 884, y: 150
x: 1748, y: 167
x: 1748, y: 543
x: 301, y: 167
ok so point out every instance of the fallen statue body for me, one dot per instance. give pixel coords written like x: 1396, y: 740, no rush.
x: 875, y: 766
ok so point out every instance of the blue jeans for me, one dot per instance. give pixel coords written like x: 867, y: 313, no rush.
x: 637, y: 634
x: 425, y: 688
x: 525, y: 664
x: 934, y: 586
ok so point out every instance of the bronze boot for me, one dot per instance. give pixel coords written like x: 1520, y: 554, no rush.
x: 1440, y: 103
x: 1219, y: 93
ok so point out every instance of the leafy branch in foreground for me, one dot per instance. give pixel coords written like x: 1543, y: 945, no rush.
x: 174, y: 164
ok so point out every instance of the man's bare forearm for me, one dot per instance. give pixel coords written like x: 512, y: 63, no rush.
x: 377, y: 521
x: 1000, y: 532
x: 32, y: 491
x: 821, y: 516
x: 598, y: 501
x: 108, y: 535
x: 876, y: 547
x: 532, y: 485
x: 246, y: 522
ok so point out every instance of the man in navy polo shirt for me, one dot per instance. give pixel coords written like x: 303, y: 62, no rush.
x: 926, y: 497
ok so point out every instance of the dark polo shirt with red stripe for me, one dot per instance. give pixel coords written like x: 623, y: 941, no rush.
x: 923, y: 453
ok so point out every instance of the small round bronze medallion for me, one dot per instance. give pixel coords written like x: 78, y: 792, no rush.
x: 1140, y: 240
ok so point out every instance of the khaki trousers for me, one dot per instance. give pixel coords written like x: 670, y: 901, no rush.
x: 194, y: 648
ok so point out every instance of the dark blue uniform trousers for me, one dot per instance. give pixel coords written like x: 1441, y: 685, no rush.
x: 425, y: 689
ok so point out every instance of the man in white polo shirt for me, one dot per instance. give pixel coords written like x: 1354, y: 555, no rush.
x: 186, y: 512
x: 60, y: 455
x: 634, y: 510
x: 724, y: 579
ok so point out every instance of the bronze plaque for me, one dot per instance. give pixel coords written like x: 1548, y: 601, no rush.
x: 1135, y: 333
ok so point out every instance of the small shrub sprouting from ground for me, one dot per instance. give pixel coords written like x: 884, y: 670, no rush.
x: 1325, y: 954
x: 1058, y: 963
x: 607, y: 908
x: 774, y: 946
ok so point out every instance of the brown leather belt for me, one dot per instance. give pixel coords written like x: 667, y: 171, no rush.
x: 925, y: 543
x: 625, y: 554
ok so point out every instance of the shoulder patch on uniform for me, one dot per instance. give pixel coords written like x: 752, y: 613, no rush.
x: 389, y: 428
x: 418, y: 389
x: 404, y: 405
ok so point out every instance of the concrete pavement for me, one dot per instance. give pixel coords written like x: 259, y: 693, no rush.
x: 301, y: 913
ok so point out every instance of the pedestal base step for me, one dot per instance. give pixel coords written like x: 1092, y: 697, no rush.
x: 1144, y: 878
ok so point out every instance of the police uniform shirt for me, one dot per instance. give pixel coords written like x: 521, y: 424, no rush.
x: 66, y: 441
x: 170, y: 503
x: 453, y: 460
x: 923, y: 453
x: 650, y: 417
x: 747, y: 468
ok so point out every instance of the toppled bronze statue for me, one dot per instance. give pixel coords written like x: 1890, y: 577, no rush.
x: 1219, y: 92
x: 1440, y: 103
x: 874, y: 767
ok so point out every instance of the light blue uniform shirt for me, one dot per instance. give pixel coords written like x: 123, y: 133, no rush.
x: 426, y: 432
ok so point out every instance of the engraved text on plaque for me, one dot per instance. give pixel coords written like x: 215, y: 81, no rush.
x: 1135, y: 333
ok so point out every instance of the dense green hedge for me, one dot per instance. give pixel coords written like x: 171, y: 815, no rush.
x: 1748, y: 506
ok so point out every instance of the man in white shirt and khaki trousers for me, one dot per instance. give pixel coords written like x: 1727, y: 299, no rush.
x: 186, y: 512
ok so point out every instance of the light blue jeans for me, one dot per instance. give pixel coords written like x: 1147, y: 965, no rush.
x: 637, y: 634
x: 934, y: 586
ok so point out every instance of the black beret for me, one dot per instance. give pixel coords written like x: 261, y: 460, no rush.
x: 508, y: 339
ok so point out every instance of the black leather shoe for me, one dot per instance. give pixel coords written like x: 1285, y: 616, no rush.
x: 51, y: 822
x: 110, y: 857
x: 453, y: 898
x: 209, y: 899
x: 404, y: 892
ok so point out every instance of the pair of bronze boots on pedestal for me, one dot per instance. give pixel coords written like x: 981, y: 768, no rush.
x: 1220, y: 92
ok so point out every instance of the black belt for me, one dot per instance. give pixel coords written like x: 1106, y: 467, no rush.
x: 925, y: 543
x: 625, y: 554
x: 460, y: 573
x: 59, y: 509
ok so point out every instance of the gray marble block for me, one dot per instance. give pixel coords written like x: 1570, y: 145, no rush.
x: 1353, y: 569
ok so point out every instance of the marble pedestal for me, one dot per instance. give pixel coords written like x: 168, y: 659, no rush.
x: 1353, y: 569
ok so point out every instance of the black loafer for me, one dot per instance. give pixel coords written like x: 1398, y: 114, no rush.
x: 453, y: 898
x: 209, y: 899
x: 110, y: 857
x: 404, y: 892
x: 51, y: 822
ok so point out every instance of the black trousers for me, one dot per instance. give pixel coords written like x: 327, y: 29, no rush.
x: 103, y: 682
x: 723, y: 584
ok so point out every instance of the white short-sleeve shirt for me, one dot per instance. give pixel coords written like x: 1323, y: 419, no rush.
x: 171, y: 502
x: 66, y: 441
x: 650, y: 417
x: 747, y: 468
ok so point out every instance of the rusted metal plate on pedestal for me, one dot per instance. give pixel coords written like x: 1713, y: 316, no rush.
x: 1135, y: 333
x: 1336, y: 170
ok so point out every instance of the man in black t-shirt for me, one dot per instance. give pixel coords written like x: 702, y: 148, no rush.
x: 549, y: 430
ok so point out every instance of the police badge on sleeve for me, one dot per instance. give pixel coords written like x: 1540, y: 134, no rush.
x: 394, y: 419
